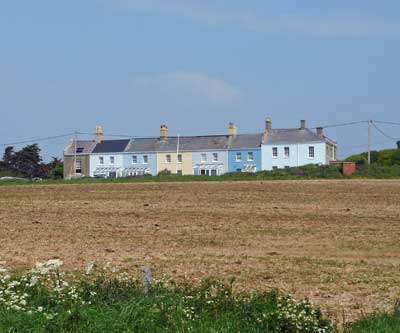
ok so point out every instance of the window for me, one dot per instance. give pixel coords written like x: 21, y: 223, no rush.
x: 215, y: 157
x: 250, y: 156
x: 179, y: 158
x: 204, y: 157
x: 79, y: 150
x: 101, y: 160
x: 287, y: 152
x: 238, y: 157
x: 112, y: 159
x: 134, y: 159
x: 202, y: 172
x: 167, y: 158
x: 275, y: 152
x: 145, y: 159
x: 213, y: 172
x: 179, y: 172
x: 78, y: 166
x: 311, y: 152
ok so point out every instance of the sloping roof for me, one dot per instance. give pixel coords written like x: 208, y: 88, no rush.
x: 206, y: 142
x: 111, y: 146
x: 141, y: 145
x: 293, y: 135
x: 83, y: 146
x: 245, y: 141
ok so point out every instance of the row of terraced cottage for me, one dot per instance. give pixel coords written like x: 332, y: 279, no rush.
x: 210, y: 155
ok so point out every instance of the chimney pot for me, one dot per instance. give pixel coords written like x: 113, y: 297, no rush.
x: 99, y: 134
x: 163, y: 131
x: 232, y: 129
x: 268, y: 124
x: 320, y: 131
x: 302, y: 124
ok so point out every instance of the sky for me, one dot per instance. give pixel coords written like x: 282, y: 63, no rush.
x: 196, y: 65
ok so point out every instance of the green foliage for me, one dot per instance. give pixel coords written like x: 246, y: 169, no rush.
x: 43, y: 301
x: 164, y: 172
x: 374, y: 323
x: 27, y: 163
x: 387, y: 157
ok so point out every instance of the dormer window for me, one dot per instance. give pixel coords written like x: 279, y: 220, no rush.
x: 79, y: 150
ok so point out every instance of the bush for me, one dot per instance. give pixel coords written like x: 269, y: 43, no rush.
x: 43, y: 301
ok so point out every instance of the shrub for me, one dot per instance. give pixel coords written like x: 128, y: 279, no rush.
x: 43, y: 301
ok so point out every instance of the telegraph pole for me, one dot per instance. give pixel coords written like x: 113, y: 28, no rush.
x: 75, y: 135
x: 369, y: 141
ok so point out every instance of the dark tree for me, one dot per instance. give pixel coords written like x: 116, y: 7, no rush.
x: 28, y: 161
x: 398, y: 144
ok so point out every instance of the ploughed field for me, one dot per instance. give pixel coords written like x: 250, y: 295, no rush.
x: 334, y: 241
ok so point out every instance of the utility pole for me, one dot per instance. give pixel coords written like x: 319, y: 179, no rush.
x: 177, y: 153
x: 75, y: 134
x: 369, y: 141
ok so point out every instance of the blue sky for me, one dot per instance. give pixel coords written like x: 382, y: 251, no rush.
x: 131, y: 65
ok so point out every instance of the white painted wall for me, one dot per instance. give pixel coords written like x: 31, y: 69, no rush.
x: 298, y: 155
x: 95, y: 162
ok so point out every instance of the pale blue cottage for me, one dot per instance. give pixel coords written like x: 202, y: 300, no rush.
x: 244, y: 153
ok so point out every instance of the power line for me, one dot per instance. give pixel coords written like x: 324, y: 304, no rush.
x: 37, y: 140
x: 386, y: 122
x: 384, y: 134
x: 343, y: 124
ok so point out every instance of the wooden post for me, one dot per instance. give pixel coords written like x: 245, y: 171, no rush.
x: 147, y: 278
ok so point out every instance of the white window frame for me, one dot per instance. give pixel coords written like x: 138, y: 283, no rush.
x: 78, y: 162
x: 250, y: 156
x: 145, y: 159
x: 215, y: 157
x: 238, y: 157
x: 101, y: 160
x: 134, y: 159
x: 113, y: 160
x: 274, y: 152
x: 168, y: 159
x: 286, y: 152
x: 311, y: 152
x: 203, y: 157
x: 179, y: 158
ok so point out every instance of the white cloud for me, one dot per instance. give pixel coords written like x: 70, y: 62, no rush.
x: 250, y: 20
x: 188, y: 86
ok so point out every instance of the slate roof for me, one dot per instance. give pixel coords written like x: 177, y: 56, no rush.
x: 186, y: 143
x: 245, y: 141
x: 141, y: 145
x: 87, y: 145
x: 293, y: 135
x: 111, y: 146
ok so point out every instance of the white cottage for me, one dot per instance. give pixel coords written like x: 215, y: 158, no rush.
x: 287, y: 148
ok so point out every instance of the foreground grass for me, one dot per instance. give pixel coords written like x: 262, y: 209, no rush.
x: 379, y: 323
x: 43, y: 301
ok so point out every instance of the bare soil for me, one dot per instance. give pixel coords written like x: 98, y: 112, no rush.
x: 334, y: 241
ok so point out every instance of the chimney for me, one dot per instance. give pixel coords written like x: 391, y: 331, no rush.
x: 302, y: 124
x: 320, y: 132
x: 98, y: 134
x: 268, y: 124
x: 232, y: 129
x: 163, y: 131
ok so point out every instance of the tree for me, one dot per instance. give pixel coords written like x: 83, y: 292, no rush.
x: 28, y: 161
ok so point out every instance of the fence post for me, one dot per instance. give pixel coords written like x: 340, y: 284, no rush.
x: 147, y: 278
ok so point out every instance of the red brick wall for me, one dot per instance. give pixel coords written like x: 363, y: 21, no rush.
x: 349, y: 168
